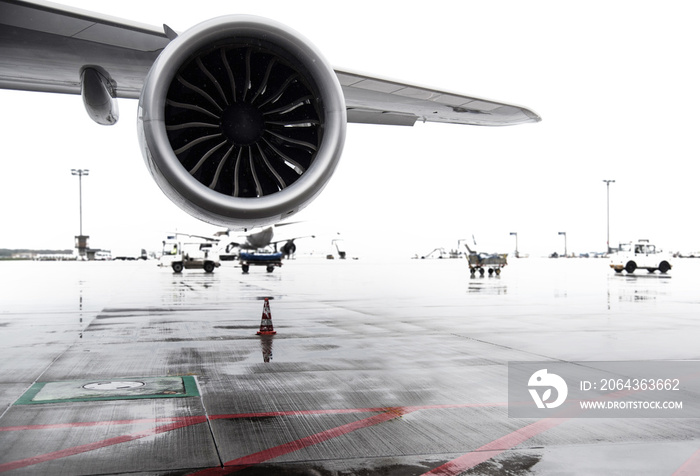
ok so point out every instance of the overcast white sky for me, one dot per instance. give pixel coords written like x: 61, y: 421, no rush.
x: 616, y: 84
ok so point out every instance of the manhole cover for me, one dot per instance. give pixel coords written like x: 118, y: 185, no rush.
x: 113, y: 385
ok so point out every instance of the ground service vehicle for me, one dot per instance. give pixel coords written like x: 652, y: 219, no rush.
x: 640, y: 255
x: 260, y: 258
x: 493, y: 262
x: 181, y: 256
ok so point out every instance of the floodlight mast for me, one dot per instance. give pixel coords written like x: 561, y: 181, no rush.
x: 565, y: 251
x: 81, y: 239
x: 607, y: 183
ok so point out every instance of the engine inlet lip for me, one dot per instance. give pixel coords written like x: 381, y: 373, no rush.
x: 185, y: 190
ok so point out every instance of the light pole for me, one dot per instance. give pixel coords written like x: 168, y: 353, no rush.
x: 515, y: 233
x: 565, y: 252
x: 81, y: 240
x: 607, y: 184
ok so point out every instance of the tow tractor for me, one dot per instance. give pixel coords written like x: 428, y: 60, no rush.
x: 640, y: 255
x: 261, y: 257
x: 181, y: 256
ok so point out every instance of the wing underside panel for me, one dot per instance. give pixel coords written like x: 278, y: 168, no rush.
x: 379, y: 101
x: 44, y: 47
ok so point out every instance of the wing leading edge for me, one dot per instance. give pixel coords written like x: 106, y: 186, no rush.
x: 45, y: 46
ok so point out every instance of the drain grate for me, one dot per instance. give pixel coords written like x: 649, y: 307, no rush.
x: 109, y: 389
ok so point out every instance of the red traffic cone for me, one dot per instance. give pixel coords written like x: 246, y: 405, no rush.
x: 266, y: 328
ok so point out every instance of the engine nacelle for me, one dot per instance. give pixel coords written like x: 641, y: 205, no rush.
x: 241, y: 121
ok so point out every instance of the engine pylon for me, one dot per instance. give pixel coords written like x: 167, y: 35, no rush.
x: 266, y: 328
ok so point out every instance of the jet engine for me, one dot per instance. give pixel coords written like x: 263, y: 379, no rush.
x: 241, y: 121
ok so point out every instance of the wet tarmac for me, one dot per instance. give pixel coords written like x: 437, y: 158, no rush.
x: 397, y: 368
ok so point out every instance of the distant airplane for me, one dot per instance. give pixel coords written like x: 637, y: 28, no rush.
x: 241, y: 120
x: 229, y: 246
x: 260, y: 239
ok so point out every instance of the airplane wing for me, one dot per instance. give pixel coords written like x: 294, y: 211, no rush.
x: 44, y: 47
x: 381, y: 101
x: 201, y: 237
x: 232, y: 112
x: 290, y: 238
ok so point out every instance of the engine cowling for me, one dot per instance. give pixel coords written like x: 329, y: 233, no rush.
x: 241, y: 121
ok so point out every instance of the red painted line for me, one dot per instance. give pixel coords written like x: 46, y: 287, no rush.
x: 57, y: 426
x: 355, y: 410
x: 231, y: 416
x: 80, y: 424
x: 268, y: 454
x: 494, y: 448
x: 691, y: 467
x: 186, y: 421
x: 498, y: 446
x: 453, y: 405
x: 387, y: 413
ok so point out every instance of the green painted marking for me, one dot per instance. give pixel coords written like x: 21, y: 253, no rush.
x: 109, y: 389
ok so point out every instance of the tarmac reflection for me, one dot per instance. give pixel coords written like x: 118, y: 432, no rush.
x: 266, y: 346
